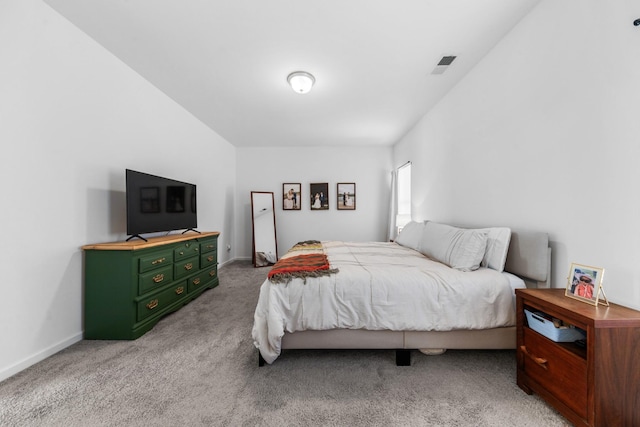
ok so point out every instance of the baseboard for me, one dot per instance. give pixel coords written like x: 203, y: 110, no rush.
x: 229, y: 261
x: 39, y: 357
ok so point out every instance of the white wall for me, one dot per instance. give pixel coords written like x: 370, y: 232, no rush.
x: 543, y: 135
x: 261, y: 169
x: 72, y: 118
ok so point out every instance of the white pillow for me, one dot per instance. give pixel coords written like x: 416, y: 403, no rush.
x: 459, y: 248
x: 495, y: 256
x: 411, y: 235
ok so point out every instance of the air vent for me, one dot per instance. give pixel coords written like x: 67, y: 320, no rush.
x: 443, y: 64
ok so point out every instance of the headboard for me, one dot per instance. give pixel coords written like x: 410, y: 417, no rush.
x: 529, y: 257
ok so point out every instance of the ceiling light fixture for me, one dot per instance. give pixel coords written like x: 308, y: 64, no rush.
x: 301, y: 81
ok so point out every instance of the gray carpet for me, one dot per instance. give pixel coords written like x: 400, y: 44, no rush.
x: 198, y: 367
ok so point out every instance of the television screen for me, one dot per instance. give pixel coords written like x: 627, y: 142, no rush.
x: 157, y: 204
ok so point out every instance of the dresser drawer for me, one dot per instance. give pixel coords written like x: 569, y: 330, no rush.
x: 185, y: 267
x: 203, y: 279
x: 211, y: 272
x: 186, y: 250
x: 155, y: 260
x: 208, y: 245
x: 558, y: 370
x: 208, y: 259
x: 197, y: 282
x: 158, y: 302
x: 155, y: 279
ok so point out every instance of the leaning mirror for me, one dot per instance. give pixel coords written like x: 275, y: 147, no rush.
x: 263, y: 220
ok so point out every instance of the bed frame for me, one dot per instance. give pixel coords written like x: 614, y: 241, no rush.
x: 529, y: 257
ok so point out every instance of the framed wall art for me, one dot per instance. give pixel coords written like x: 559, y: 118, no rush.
x: 319, y: 196
x: 291, y: 196
x: 346, y: 195
x: 585, y: 284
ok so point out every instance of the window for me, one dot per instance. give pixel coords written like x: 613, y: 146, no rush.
x: 404, y: 196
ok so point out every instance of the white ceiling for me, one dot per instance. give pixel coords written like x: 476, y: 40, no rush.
x: 227, y: 61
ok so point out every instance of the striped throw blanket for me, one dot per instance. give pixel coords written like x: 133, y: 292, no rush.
x: 305, y: 259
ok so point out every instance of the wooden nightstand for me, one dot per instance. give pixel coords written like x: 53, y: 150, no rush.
x: 594, y: 385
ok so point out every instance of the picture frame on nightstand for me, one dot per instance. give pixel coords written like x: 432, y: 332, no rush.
x: 585, y: 284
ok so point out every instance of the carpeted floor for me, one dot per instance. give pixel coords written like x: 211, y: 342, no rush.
x: 198, y: 367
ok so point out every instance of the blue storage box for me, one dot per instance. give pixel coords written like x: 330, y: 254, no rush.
x: 540, y: 324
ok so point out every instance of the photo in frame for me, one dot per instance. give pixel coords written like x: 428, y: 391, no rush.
x: 291, y: 196
x: 346, y: 196
x: 585, y: 284
x: 319, y: 196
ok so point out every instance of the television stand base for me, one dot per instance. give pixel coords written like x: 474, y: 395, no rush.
x: 190, y: 229
x: 138, y: 236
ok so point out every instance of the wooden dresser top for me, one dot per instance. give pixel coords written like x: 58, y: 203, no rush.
x: 137, y: 244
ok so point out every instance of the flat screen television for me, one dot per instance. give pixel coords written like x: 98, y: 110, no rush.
x: 157, y: 204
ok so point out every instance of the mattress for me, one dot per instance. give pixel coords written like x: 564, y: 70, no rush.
x: 515, y: 283
x: 383, y: 286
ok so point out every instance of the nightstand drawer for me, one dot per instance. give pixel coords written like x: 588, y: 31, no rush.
x: 155, y: 279
x: 561, y: 372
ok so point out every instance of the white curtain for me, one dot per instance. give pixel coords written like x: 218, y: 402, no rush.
x: 393, y: 206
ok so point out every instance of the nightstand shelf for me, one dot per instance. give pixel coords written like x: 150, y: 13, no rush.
x: 594, y: 385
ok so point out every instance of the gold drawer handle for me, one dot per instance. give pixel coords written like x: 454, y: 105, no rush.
x: 188, y: 266
x: 181, y: 253
x: 196, y: 249
x: 196, y: 281
x: 152, y: 304
x: 158, y: 261
x: 179, y: 290
x: 158, y: 278
x: 209, y: 246
x: 210, y: 258
x: 538, y: 360
x: 212, y: 273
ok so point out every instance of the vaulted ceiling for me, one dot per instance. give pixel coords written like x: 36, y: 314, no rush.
x: 226, y: 61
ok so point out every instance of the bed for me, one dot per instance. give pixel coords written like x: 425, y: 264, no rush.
x: 436, y: 287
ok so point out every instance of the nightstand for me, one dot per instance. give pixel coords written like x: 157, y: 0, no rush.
x: 597, y: 384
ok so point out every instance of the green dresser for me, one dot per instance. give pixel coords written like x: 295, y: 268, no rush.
x: 130, y: 285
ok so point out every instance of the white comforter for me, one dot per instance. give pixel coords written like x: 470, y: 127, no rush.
x: 381, y: 286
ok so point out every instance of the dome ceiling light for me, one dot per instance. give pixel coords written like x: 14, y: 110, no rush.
x: 301, y: 81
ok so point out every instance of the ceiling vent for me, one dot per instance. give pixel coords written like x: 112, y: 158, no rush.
x: 443, y: 64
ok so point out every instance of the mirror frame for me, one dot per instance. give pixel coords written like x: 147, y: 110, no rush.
x: 253, y: 227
